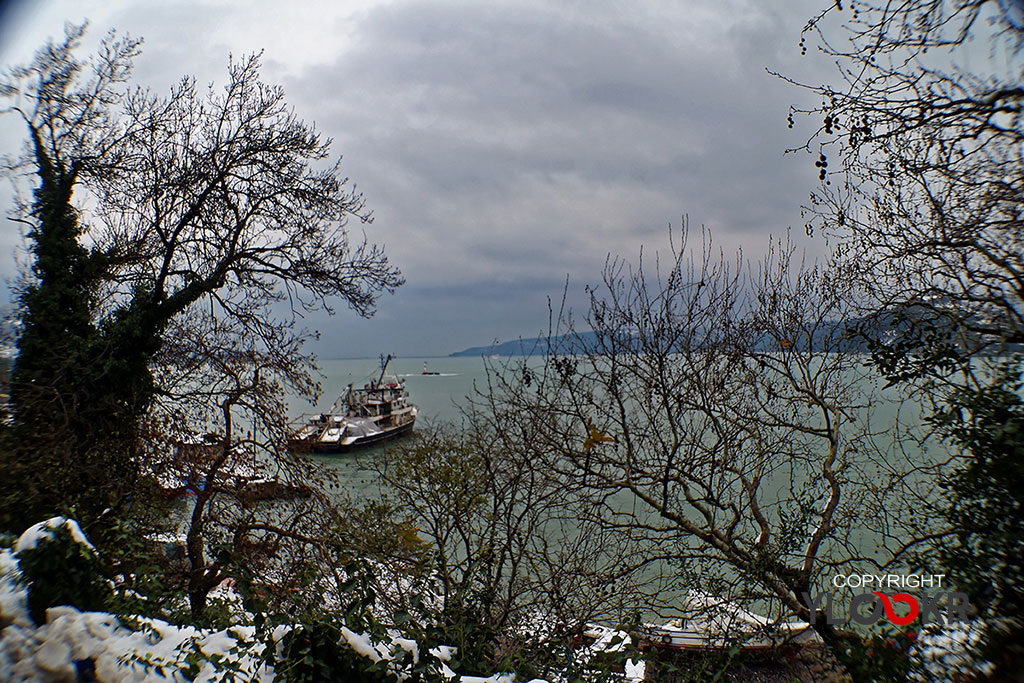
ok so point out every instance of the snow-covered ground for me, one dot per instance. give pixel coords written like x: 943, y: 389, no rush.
x: 72, y: 642
x: 943, y: 653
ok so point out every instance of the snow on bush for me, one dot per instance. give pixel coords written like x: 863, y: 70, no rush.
x: 69, y: 642
x: 59, y: 566
x: 46, y: 530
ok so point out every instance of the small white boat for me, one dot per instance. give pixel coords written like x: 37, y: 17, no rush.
x: 712, y: 623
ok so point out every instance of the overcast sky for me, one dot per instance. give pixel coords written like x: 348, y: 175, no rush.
x: 502, y: 146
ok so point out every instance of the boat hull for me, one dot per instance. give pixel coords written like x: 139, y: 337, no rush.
x: 395, y: 432
x: 702, y: 639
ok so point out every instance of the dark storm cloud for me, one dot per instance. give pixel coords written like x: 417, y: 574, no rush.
x: 505, y: 145
x: 545, y: 128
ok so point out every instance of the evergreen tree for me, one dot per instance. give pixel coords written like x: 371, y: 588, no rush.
x: 70, y: 447
x: 987, y: 504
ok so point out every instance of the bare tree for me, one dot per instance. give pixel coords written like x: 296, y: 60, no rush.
x: 218, y: 428
x: 513, y: 566
x: 718, y: 417
x: 925, y: 122
x: 192, y: 207
x: 924, y: 129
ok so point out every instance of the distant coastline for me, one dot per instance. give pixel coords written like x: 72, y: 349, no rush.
x: 519, y: 347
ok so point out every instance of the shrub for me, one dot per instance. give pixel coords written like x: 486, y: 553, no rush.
x: 61, y: 567
x: 317, y: 653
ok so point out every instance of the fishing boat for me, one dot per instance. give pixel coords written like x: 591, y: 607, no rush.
x: 429, y: 372
x: 361, y: 417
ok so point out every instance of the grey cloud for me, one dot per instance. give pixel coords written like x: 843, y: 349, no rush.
x: 507, y: 143
x: 504, y: 145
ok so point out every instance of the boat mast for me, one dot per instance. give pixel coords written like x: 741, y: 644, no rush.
x: 347, y: 399
x: 383, y: 367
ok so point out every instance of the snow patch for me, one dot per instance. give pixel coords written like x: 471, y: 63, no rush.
x: 37, y: 532
x: 150, y: 649
x: 945, y: 652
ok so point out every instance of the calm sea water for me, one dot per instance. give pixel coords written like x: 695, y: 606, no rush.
x: 436, y: 396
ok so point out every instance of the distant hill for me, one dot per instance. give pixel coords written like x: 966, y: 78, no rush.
x: 584, y: 342
x: 843, y: 336
x: 521, y: 347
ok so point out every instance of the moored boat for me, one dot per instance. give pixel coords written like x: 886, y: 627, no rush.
x: 196, y: 465
x: 712, y: 623
x: 361, y: 417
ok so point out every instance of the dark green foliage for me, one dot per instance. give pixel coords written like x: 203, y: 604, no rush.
x: 913, y: 342
x: 986, y: 513
x: 61, y: 571
x: 316, y: 653
x: 314, y: 648
x: 150, y: 575
x: 467, y: 627
x: 75, y: 398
